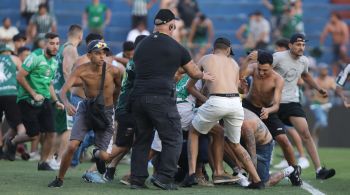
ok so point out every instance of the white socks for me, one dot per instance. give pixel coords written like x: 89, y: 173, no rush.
x: 287, y: 171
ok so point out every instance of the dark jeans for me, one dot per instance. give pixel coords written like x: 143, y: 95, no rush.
x: 264, y: 153
x: 159, y: 112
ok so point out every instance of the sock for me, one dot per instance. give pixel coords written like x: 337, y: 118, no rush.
x: 318, y: 169
x: 287, y: 171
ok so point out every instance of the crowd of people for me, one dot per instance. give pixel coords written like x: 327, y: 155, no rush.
x: 164, y: 99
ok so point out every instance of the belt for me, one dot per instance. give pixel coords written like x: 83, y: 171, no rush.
x: 225, y: 94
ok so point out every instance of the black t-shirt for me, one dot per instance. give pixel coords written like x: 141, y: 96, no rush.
x: 156, y: 59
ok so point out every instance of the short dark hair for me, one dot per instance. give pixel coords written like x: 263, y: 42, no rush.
x: 50, y: 35
x: 43, y: 5
x: 265, y: 57
x: 92, y: 36
x: 73, y: 29
x: 283, y: 43
x: 4, y: 19
x: 258, y: 13
x: 22, y: 49
x: 337, y: 15
x: 128, y: 46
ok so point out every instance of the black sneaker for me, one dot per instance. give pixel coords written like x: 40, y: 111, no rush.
x: 294, y: 177
x: 57, y: 183
x: 109, y: 174
x: 138, y: 187
x: 163, y: 186
x: 11, y: 150
x: 1, y: 153
x: 257, y: 186
x: 189, y: 181
x: 100, y: 164
x: 44, y: 166
x: 325, y: 173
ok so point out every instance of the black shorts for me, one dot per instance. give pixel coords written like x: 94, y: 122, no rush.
x: 126, y: 130
x: 273, y: 123
x: 290, y: 109
x: 37, y: 118
x: 12, y: 112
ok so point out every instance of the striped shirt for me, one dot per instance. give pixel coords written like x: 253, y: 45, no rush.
x: 343, y: 76
x: 43, y: 23
x: 139, y: 7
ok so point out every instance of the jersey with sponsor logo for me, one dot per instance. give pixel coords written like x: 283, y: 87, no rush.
x: 41, y: 72
x: 8, y: 82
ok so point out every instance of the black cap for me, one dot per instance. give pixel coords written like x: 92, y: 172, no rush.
x: 97, y: 45
x: 164, y: 16
x: 297, y: 37
x: 18, y: 37
x: 222, y: 40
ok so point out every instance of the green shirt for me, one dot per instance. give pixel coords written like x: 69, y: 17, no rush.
x: 278, y: 6
x: 59, y: 81
x: 181, y: 91
x: 41, y: 73
x: 96, y: 15
x: 8, y: 82
x: 127, y: 85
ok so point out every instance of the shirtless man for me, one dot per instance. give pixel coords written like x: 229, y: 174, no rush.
x: 257, y: 139
x: 223, y: 103
x: 264, y: 98
x: 340, y: 35
x: 292, y: 65
x: 89, y: 73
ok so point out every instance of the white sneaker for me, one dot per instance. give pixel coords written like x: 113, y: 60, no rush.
x: 283, y: 164
x: 34, y: 156
x: 54, y: 164
x: 243, y: 181
x: 303, y: 162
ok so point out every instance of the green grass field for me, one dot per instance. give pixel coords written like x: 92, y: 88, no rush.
x: 21, y: 177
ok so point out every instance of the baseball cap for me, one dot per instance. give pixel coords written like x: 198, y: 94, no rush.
x: 97, y: 45
x: 222, y: 40
x: 4, y: 47
x: 297, y: 37
x: 18, y: 37
x: 164, y: 16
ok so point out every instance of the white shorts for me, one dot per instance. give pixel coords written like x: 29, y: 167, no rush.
x: 156, y: 144
x: 216, y: 108
x: 186, y: 111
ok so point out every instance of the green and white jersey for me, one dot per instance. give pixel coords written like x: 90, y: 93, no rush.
x: 182, y: 94
x: 41, y: 73
x: 8, y: 82
x: 59, y: 81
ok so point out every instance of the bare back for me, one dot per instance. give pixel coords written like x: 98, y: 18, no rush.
x: 78, y: 90
x: 327, y: 83
x: 338, y: 32
x: 224, y: 69
x: 261, y: 132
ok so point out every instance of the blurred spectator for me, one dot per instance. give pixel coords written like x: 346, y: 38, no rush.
x: 201, y: 36
x: 23, y: 52
x: 282, y: 45
x: 7, y: 32
x: 188, y: 10
x: 19, y: 41
x: 29, y: 7
x: 140, y: 10
x: 292, y: 21
x: 140, y: 29
x: 260, y: 31
x: 276, y: 8
x: 168, y: 4
x: 39, y: 42
x: 340, y: 35
x: 96, y: 17
x: 41, y: 23
x: 245, y: 36
x: 127, y: 53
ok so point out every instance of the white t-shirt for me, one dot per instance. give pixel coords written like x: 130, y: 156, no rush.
x: 8, y: 34
x: 257, y: 28
x: 115, y: 63
x: 290, y: 69
x: 135, y: 33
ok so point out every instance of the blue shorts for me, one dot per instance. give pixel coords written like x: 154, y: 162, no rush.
x: 264, y: 153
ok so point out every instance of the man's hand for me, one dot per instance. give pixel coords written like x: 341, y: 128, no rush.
x: 323, y: 92
x: 59, y: 105
x: 264, y: 113
x: 253, y: 56
x: 207, y: 76
x: 70, y: 109
x: 38, y: 97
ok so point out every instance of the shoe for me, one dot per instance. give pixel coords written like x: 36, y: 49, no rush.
x: 54, y: 164
x: 163, y: 186
x: 2, y: 156
x: 303, y: 162
x: 34, y: 156
x: 25, y: 156
x: 325, y: 173
x: 295, y: 176
x: 100, y: 164
x: 125, y: 180
x: 44, y: 166
x: 92, y: 177
x: 109, y: 174
x: 257, y: 186
x: 225, y: 178
x: 189, y: 181
x: 201, y: 181
x: 243, y: 181
x: 283, y: 164
x: 57, y: 183
x: 11, y: 150
x: 138, y: 187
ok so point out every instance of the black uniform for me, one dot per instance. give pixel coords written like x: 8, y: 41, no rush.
x: 153, y: 104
